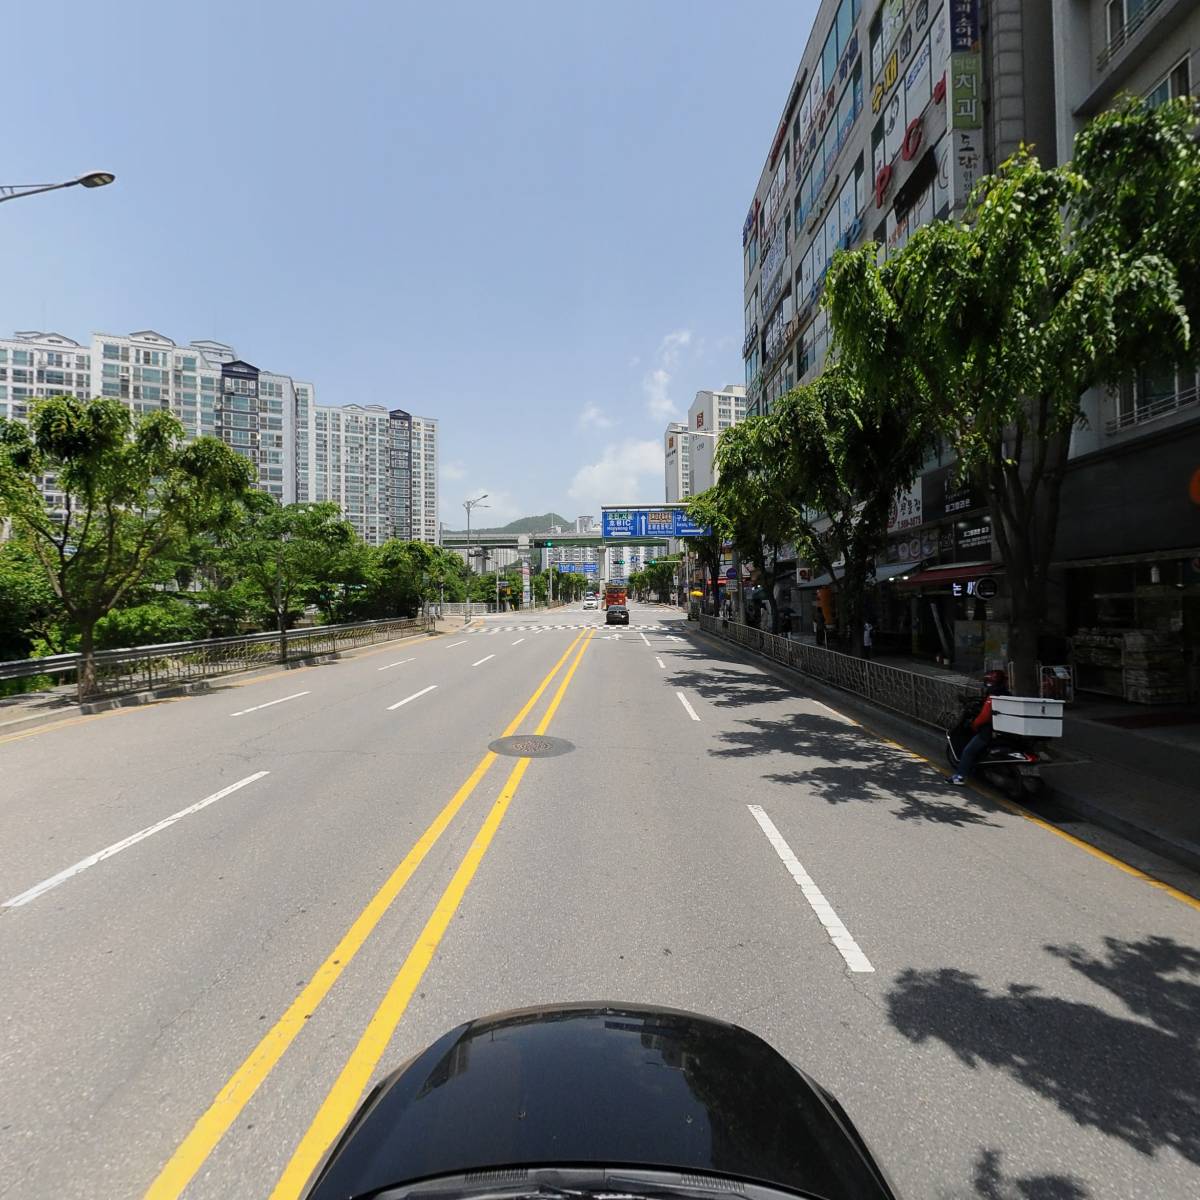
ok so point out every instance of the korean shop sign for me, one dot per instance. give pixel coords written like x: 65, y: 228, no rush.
x: 886, y: 80
x: 966, y: 98
x: 964, y: 26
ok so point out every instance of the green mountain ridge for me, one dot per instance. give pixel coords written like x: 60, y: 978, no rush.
x: 523, y: 525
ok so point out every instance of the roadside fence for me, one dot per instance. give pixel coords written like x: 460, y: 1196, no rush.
x: 143, y: 667
x: 924, y: 698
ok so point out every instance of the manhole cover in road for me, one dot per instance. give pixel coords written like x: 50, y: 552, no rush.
x: 530, y: 745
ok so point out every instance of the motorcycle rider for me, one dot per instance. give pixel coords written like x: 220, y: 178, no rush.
x: 995, y: 683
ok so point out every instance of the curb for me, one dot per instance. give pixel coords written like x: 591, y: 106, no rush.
x: 20, y: 724
x: 1178, y: 850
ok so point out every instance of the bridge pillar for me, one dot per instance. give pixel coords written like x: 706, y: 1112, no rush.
x: 523, y: 549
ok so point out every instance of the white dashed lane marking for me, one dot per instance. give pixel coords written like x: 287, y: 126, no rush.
x: 839, y: 935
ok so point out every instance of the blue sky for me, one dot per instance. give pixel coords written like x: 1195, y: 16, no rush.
x: 520, y: 218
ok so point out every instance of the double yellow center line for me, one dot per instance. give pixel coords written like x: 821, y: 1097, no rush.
x: 339, y: 1103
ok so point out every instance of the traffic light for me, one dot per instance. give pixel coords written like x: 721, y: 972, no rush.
x: 549, y: 543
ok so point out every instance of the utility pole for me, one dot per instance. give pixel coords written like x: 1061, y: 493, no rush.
x: 468, y: 505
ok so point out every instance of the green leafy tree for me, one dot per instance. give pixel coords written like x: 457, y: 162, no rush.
x: 704, y: 510
x: 287, y: 551
x: 660, y: 577
x: 29, y: 609
x: 164, y: 619
x: 133, y: 491
x: 756, y: 499
x: 1059, y: 280
x: 846, y: 449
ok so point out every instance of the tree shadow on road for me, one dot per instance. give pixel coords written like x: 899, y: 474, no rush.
x: 991, y: 1183
x: 1133, y: 1079
x: 843, y: 764
x: 731, y: 686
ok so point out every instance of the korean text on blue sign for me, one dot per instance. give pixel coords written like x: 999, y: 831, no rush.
x: 649, y: 522
x: 964, y: 25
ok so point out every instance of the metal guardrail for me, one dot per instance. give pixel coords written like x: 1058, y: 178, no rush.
x: 924, y: 698
x: 142, y: 667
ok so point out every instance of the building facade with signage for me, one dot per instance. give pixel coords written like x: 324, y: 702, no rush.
x: 895, y: 111
x: 1128, y: 543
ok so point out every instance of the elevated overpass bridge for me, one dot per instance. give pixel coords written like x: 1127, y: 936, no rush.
x: 458, y: 540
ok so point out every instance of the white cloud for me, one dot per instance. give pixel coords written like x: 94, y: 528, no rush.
x: 627, y: 472
x: 595, y: 417
x: 453, y: 471
x: 658, y: 403
x: 657, y: 381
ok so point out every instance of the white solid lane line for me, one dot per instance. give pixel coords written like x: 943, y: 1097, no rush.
x: 660, y: 662
x: 645, y: 639
x: 453, y: 644
x: 839, y: 935
x: 414, y: 696
x: 92, y: 859
x: 395, y: 664
x: 691, y: 712
x: 482, y: 661
x: 518, y: 641
x: 294, y: 696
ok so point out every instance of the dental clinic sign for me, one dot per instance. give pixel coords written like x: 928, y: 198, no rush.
x: 964, y: 95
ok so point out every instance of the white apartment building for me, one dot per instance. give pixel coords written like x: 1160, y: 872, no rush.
x: 710, y: 415
x: 677, y: 462
x: 380, y: 467
x: 348, y: 461
x: 425, y: 453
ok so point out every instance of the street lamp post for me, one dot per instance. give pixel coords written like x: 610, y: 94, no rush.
x: 469, y: 505
x: 93, y: 179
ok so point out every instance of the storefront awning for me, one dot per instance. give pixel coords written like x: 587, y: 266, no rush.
x: 894, y: 570
x: 952, y: 573
x: 889, y: 571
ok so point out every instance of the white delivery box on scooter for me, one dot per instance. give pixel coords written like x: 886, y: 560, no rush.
x: 1029, y: 716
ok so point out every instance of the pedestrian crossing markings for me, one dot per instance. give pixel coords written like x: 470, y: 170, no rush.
x: 551, y: 628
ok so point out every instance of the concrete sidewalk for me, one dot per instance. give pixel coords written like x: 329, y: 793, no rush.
x: 1140, y: 783
x: 1143, y: 783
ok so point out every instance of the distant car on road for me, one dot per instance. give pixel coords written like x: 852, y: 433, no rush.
x: 591, y: 602
x: 617, y: 614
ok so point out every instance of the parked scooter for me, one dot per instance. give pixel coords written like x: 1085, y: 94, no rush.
x: 1011, y: 762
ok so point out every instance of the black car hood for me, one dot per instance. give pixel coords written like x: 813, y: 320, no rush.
x: 603, y: 1085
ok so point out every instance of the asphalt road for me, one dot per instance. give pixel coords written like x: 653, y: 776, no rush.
x: 194, y: 1011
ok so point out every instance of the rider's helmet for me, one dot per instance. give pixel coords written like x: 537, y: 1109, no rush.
x: 995, y: 681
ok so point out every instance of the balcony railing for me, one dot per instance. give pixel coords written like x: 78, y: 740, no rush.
x: 1122, y: 36
x: 1141, y: 414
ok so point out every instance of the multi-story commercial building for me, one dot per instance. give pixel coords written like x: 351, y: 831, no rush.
x: 677, y: 461
x: 379, y: 466
x: 1129, y: 531
x: 585, y: 524
x: 895, y: 111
